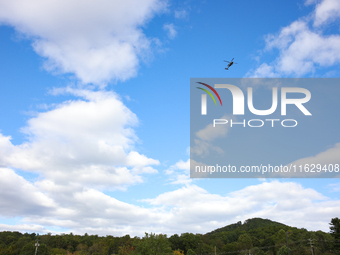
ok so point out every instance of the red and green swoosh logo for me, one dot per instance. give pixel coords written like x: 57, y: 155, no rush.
x: 209, y: 93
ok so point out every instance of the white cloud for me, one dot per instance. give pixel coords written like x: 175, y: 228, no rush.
x: 286, y: 202
x: 88, y: 141
x: 26, y: 228
x: 180, y: 165
x: 98, y: 41
x: 170, y: 28
x: 19, y: 197
x: 180, y: 172
x: 326, y: 11
x: 264, y: 70
x: 183, y: 165
x: 302, y: 47
x: 47, y: 206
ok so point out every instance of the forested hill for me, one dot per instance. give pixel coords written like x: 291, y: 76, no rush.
x: 250, y: 224
x: 263, y: 236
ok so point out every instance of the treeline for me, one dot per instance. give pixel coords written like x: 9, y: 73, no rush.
x: 254, y: 236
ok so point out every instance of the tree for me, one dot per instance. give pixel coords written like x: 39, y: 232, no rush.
x: 268, y: 242
x: 81, y: 249
x: 255, y: 241
x: 245, y: 243
x: 124, y: 250
x: 191, y: 252
x: 230, y: 247
x: 335, y: 228
x: 190, y: 241
x: 280, y: 237
x: 153, y: 245
x: 57, y: 251
x: 176, y: 242
x: 30, y: 249
x: 257, y: 251
x: 207, y: 249
x: 335, y: 232
x: 231, y: 237
x: 283, y: 250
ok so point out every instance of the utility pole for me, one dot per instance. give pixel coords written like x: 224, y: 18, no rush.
x: 36, y: 246
x: 311, y: 246
x: 215, y: 250
x: 287, y: 240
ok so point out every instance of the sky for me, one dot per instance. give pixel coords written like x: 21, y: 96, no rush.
x: 95, y: 112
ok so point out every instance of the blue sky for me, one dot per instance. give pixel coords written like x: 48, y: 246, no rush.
x: 94, y: 127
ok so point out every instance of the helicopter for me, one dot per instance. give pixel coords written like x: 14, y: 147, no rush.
x: 230, y: 64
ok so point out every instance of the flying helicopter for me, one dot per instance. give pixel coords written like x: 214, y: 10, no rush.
x: 230, y: 64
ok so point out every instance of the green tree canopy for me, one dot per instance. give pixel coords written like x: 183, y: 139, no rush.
x: 153, y: 245
x: 335, y: 232
x: 245, y: 242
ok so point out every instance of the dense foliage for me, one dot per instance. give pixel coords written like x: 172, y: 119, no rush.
x: 254, y: 236
x: 335, y: 231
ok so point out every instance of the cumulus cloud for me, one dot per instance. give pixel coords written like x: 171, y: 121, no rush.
x: 180, y: 172
x: 80, y: 209
x: 264, y: 70
x: 286, y: 202
x: 19, y: 197
x: 80, y: 148
x: 326, y: 11
x: 89, y: 210
x: 302, y: 46
x: 97, y: 41
x: 88, y: 141
x: 45, y: 206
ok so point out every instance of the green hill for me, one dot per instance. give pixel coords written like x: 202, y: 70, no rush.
x: 264, y: 236
x: 250, y: 224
